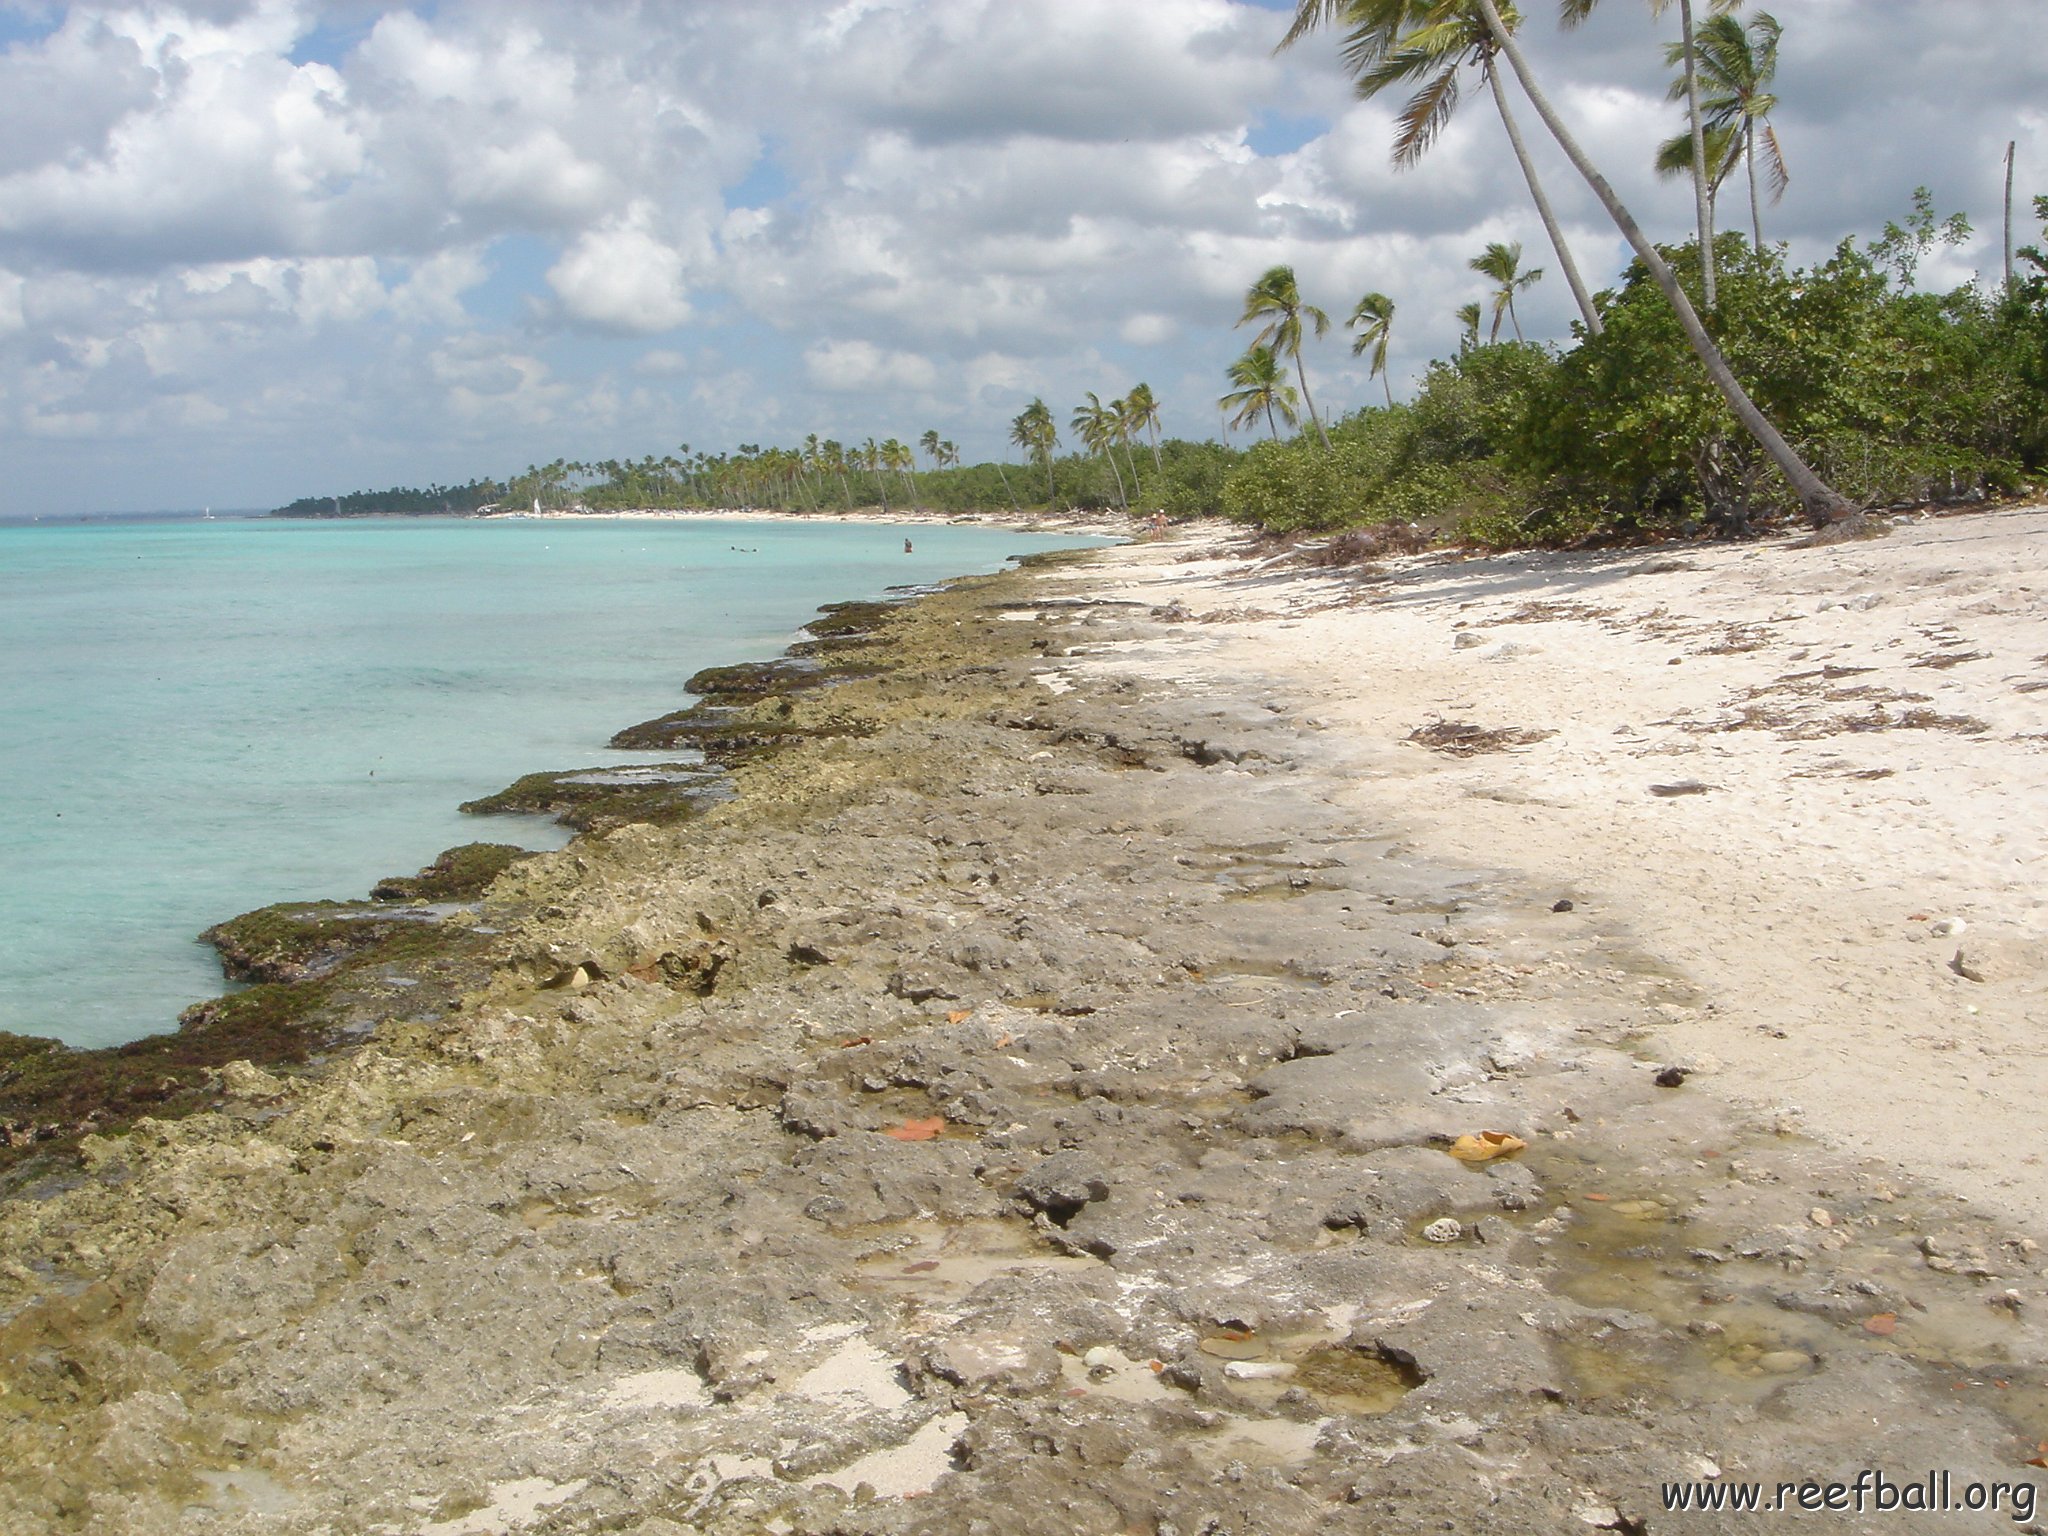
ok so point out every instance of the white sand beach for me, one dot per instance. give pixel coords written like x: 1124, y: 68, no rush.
x: 1872, y: 721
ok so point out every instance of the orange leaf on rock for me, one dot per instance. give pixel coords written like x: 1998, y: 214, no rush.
x: 1486, y: 1146
x: 917, y: 1130
x: 1883, y: 1324
x: 847, y: 1045
x: 1603, y: 1199
x: 959, y: 1015
x: 2042, y: 1459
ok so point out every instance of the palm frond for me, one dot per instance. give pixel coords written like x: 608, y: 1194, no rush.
x: 1775, y: 170
x: 1309, y: 15
x: 1424, y: 117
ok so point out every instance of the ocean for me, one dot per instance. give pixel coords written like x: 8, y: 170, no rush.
x: 203, y: 716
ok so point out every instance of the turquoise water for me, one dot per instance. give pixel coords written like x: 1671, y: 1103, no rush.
x: 201, y: 717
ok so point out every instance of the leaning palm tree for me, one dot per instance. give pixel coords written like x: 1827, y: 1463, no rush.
x: 1823, y: 504
x: 1502, y: 262
x: 1390, y: 42
x: 897, y: 456
x: 1262, y: 390
x: 1576, y: 11
x: 1038, y: 435
x: 1738, y: 65
x: 930, y: 444
x: 1099, y: 426
x: 1275, y: 301
x: 1143, y: 411
x: 1373, y: 319
x: 1469, y: 316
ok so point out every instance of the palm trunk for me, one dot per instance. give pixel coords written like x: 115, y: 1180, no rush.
x: 1160, y: 464
x: 1699, y: 159
x: 1272, y: 426
x: 1515, y: 319
x: 2011, y: 149
x: 1308, y: 399
x: 1756, y: 207
x: 1109, y: 453
x: 1543, y: 211
x: 1005, y: 475
x: 1052, y: 495
x: 1823, y: 504
x: 1387, y: 386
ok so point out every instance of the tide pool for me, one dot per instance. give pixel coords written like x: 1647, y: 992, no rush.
x: 201, y: 717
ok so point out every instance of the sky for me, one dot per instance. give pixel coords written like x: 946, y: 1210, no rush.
x: 258, y: 249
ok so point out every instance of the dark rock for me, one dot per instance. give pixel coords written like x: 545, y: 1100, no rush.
x: 1062, y: 1184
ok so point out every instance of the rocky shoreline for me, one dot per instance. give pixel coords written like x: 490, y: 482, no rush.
x: 1027, y: 1103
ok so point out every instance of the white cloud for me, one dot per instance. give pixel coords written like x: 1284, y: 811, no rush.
x: 1148, y: 330
x: 857, y: 365
x: 621, y: 278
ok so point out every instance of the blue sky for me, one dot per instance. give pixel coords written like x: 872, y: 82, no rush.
x: 253, y: 249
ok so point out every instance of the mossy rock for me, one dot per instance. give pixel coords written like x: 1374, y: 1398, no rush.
x: 599, y: 799
x: 459, y: 874
x: 838, y: 621
x: 747, y: 681
x: 301, y: 940
x: 52, y: 1094
x: 725, y: 737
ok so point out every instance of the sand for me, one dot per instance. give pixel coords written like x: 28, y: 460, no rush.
x: 1872, y: 720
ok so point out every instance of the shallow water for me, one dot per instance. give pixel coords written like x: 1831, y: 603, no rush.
x: 201, y: 717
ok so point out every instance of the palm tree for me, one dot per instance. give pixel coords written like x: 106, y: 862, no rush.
x: 1143, y: 411
x: 1822, y: 502
x: 1468, y: 326
x: 1400, y: 41
x: 869, y: 457
x: 930, y: 444
x: 897, y: 456
x: 1275, y: 300
x: 1724, y: 150
x: 1099, y: 426
x: 1502, y: 263
x: 1373, y: 319
x: 1037, y: 434
x: 1687, y: 52
x: 1262, y: 390
x: 1738, y: 66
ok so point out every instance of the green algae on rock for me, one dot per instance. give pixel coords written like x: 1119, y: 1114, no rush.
x: 599, y: 799
x: 458, y: 874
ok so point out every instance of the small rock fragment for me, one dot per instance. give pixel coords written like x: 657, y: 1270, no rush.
x: 1445, y: 1229
x: 1672, y: 1077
